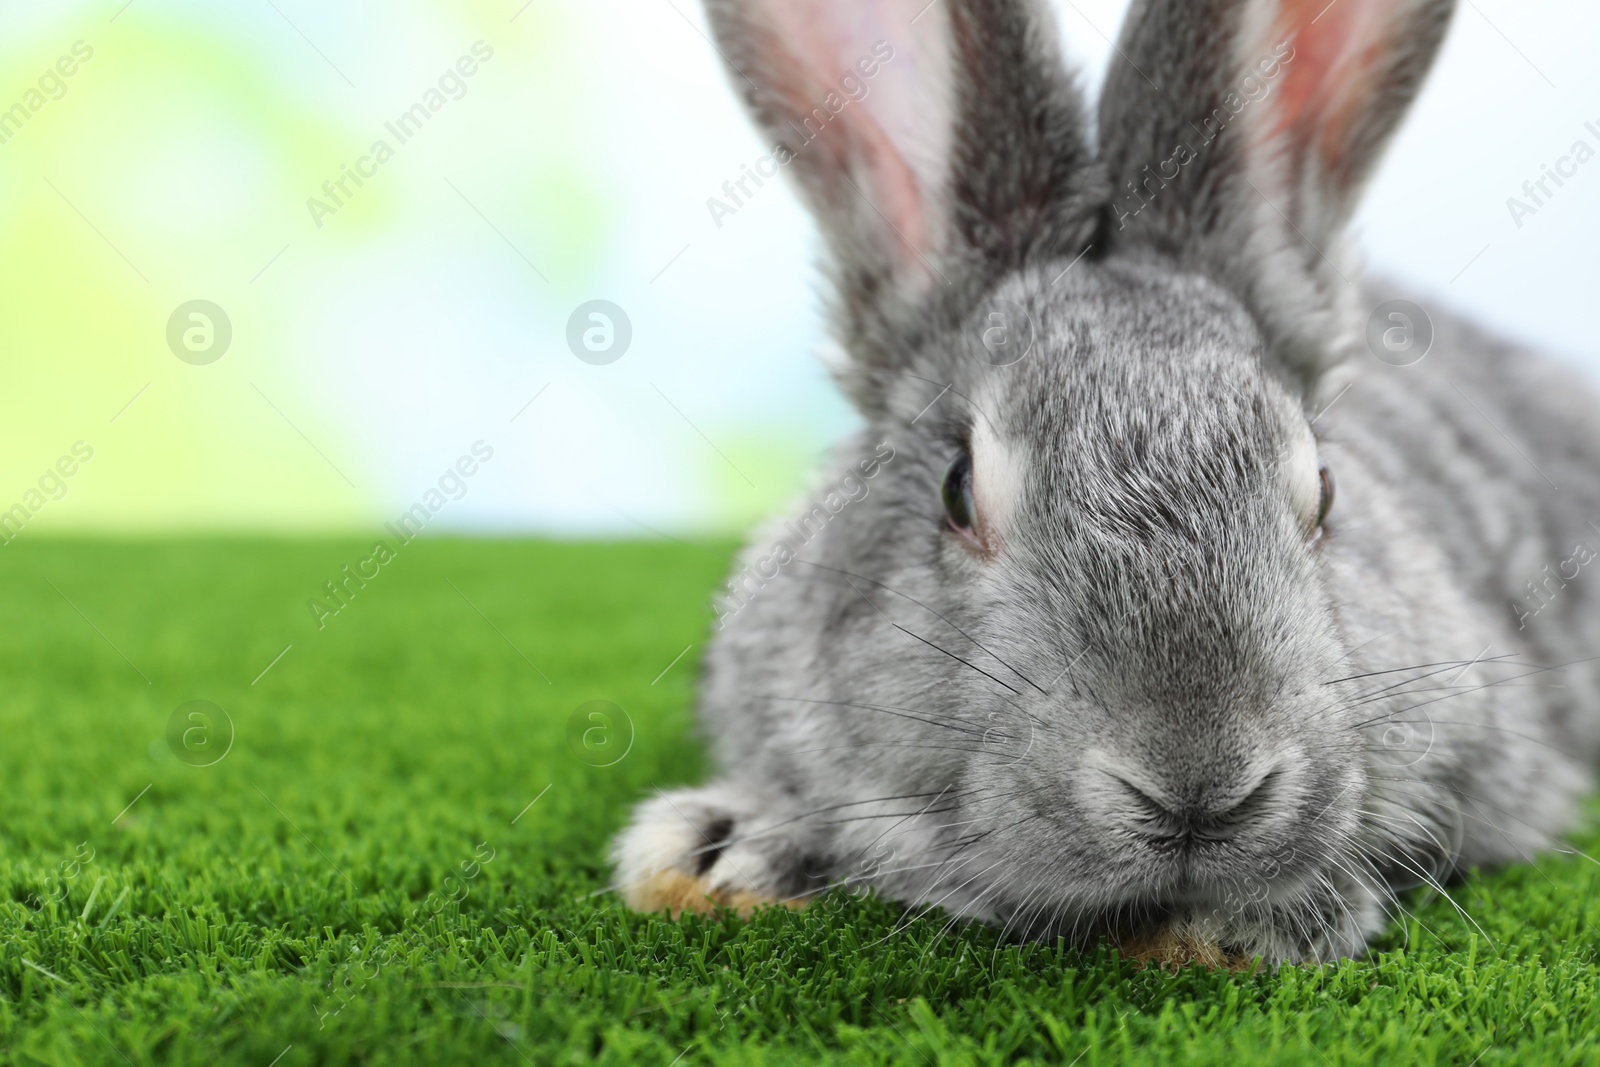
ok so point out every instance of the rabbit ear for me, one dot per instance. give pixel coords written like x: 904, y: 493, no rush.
x: 927, y: 137
x: 1239, y: 133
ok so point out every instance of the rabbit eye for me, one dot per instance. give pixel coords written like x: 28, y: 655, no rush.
x: 957, y: 491
x: 1325, y: 476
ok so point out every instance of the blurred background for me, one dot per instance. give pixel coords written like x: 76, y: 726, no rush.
x: 360, y: 334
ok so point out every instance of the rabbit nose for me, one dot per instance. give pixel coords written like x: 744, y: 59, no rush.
x: 1212, y: 815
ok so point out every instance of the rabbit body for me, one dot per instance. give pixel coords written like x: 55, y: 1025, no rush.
x: 1132, y: 674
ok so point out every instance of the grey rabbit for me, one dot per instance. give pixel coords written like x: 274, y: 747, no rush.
x: 1074, y: 638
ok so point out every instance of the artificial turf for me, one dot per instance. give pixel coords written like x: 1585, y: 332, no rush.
x: 359, y: 878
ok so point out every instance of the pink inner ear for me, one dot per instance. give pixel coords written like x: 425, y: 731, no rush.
x: 812, y: 46
x: 1329, y: 82
x: 894, y: 188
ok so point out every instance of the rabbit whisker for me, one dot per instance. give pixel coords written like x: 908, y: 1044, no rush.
x: 1445, y: 664
x: 888, y: 709
x: 1375, y: 694
x: 932, y: 611
x: 763, y: 831
x: 937, y: 648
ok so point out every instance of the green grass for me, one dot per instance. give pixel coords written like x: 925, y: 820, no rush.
x: 351, y: 881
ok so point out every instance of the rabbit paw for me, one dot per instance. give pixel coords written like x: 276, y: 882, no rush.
x: 1328, y: 924
x: 697, y: 850
x: 1180, y: 945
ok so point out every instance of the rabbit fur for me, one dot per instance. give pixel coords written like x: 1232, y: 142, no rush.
x: 1147, y: 696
